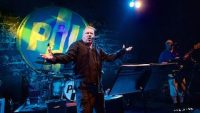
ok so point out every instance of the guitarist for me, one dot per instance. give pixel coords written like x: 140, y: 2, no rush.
x: 192, y: 66
x: 194, y: 54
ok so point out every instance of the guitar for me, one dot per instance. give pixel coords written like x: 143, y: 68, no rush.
x: 189, y: 53
x: 184, y: 63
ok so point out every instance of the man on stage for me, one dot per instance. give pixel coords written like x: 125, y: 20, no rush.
x: 88, y: 65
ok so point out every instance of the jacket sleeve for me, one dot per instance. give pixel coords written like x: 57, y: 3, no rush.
x: 70, y: 55
x: 111, y: 57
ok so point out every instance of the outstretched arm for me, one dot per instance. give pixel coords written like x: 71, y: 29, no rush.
x: 120, y: 53
x: 62, y: 58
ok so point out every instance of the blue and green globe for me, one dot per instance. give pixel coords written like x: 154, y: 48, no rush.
x: 52, y: 27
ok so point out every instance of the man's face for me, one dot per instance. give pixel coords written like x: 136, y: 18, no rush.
x: 169, y: 44
x: 88, y: 34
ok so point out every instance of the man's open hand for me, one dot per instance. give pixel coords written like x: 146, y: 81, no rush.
x: 127, y: 48
x: 48, y: 56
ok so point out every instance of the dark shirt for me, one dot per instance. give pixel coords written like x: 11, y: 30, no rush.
x: 87, y: 61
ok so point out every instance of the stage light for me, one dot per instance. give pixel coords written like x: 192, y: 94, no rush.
x: 138, y: 4
x: 131, y: 4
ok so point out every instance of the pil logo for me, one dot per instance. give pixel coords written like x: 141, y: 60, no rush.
x: 50, y: 26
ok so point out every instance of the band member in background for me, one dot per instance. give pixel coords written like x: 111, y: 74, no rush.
x: 88, y: 60
x: 192, y: 67
x: 194, y: 54
x: 176, y: 84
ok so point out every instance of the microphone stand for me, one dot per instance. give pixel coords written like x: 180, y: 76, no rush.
x: 94, y: 44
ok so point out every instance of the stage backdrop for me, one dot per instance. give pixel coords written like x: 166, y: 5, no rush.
x: 44, y: 28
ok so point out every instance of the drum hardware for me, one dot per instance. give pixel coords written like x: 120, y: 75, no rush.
x: 44, y: 72
x: 58, y: 76
x: 60, y: 85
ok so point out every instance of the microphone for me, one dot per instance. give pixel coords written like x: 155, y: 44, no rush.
x: 49, y: 48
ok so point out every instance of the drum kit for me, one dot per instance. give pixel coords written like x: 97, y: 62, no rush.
x: 59, y: 85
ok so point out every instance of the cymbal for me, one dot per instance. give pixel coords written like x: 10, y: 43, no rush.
x: 42, y: 62
x: 46, y: 72
x: 58, y: 76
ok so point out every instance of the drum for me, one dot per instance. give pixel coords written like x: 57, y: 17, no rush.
x: 57, y: 87
x: 69, y: 91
